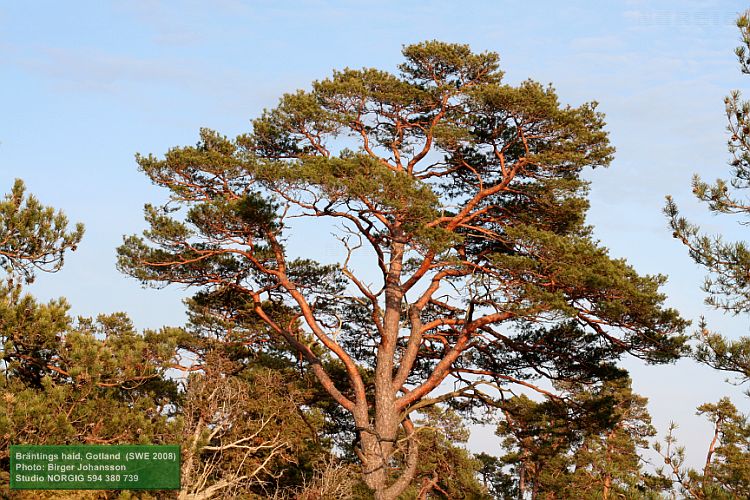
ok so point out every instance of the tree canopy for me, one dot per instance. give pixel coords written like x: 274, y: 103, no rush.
x: 460, y: 208
x: 33, y: 236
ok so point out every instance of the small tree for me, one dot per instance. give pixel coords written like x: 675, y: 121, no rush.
x: 460, y: 208
x: 585, y: 447
x: 726, y: 471
x: 607, y: 462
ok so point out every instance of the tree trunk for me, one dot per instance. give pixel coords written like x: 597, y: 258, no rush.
x: 378, y: 440
x: 711, y: 449
x: 187, y: 466
x: 522, y: 481
x: 607, y: 486
x: 378, y: 421
x: 376, y: 454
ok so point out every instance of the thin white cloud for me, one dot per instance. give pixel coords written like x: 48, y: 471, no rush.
x: 93, y: 69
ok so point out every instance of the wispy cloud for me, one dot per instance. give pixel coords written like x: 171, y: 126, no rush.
x: 96, y: 70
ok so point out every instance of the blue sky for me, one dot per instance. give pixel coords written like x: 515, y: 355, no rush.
x: 87, y: 84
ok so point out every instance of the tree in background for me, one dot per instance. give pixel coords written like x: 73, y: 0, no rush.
x: 446, y: 470
x: 537, y: 437
x: 460, y: 209
x: 586, y: 446
x: 607, y: 463
x: 33, y: 236
x: 726, y: 471
x: 98, y: 381
x: 251, y: 424
x: 65, y: 381
x: 88, y: 382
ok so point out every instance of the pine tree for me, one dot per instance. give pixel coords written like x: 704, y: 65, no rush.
x: 726, y: 471
x: 607, y: 462
x: 725, y: 474
x: 447, y: 469
x: 584, y: 446
x: 728, y: 284
x: 33, y: 236
x: 66, y: 381
x: 460, y: 208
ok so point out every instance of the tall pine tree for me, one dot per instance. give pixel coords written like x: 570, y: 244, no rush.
x: 466, y: 262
